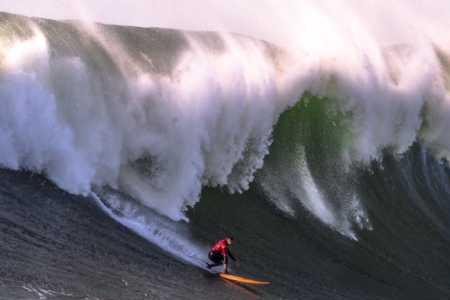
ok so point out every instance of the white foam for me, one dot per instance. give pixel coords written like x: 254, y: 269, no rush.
x: 173, y: 238
x: 161, y: 138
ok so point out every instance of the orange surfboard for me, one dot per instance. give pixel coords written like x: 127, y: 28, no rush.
x: 241, y: 279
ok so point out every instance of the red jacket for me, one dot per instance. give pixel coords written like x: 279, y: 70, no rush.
x: 220, y: 247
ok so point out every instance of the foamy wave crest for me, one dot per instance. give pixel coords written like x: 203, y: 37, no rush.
x: 159, y: 114
x: 103, y: 118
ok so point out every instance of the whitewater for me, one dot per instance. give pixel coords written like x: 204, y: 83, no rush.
x: 330, y: 133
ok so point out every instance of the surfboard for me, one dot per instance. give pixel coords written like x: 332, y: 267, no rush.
x: 241, y: 279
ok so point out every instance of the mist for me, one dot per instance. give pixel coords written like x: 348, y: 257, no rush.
x: 287, y: 23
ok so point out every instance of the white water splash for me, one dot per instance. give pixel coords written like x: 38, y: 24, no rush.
x: 162, y: 137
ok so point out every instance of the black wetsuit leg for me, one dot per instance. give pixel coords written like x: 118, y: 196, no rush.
x: 216, y: 258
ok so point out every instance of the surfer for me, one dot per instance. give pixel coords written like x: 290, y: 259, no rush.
x: 220, y: 252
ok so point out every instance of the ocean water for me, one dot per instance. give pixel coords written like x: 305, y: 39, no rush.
x: 125, y: 152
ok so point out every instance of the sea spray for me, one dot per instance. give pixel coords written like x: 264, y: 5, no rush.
x: 160, y: 114
x: 103, y: 117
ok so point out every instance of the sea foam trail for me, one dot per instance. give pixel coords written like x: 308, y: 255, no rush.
x: 158, y: 114
x: 172, y: 237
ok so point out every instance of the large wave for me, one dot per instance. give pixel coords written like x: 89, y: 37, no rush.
x: 159, y: 114
x: 93, y: 106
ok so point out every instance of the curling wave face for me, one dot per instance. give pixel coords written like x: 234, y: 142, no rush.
x: 160, y: 114
x: 158, y: 118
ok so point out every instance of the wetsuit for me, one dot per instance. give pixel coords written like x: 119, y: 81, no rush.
x: 219, y: 254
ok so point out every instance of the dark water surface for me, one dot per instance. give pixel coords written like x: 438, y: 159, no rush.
x: 58, y: 246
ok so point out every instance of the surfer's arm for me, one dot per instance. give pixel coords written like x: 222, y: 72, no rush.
x: 231, y: 255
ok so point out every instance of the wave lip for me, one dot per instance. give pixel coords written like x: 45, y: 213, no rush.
x: 89, y: 106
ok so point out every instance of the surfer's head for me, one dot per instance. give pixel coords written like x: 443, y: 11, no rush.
x: 229, y: 240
